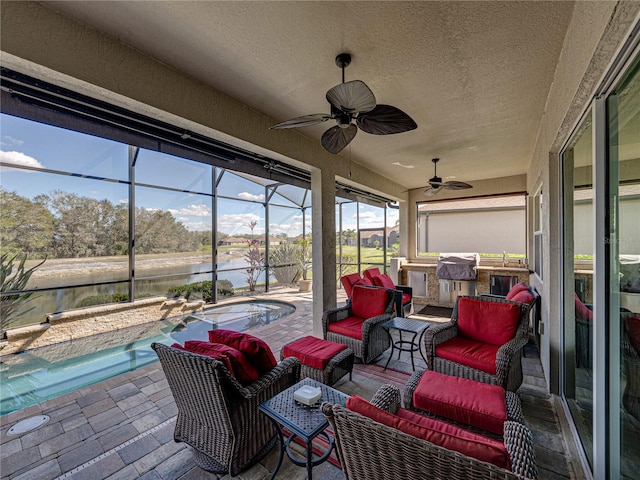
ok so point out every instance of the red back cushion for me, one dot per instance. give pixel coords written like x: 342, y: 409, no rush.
x: 518, y: 287
x: 436, y: 432
x: 348, y: 281
x: 371, y: 273
x: 368, y: 302
x: 633, y: 330
x: 235, y: 361
x: 363, y: 281
x: 385, y: 281
x: 488, y: 322
x: 582, y: 311
x: 524, y: 296
x: 255, y: 349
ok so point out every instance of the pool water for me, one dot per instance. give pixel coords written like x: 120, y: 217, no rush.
x: 40, y: 374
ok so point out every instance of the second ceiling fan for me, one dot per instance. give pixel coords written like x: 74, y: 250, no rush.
x: 353, y: 101
x: 436, y: 184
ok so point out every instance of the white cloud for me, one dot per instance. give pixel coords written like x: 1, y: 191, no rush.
x: 238, y: 224
x: 193, y: 211
x: 194, y: 226
x: 291, y: 229
x: 367, y: 215
x: 251, y: 196
x: 10, y: 141
x: 20, y: 159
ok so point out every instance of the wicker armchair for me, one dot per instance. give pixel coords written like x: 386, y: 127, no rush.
x: 371, y: 339
x: 219, y: 417
x: 371, y: 451
x: 508, y: 358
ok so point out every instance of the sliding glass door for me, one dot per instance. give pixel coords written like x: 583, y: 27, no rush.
x: 623, y: 241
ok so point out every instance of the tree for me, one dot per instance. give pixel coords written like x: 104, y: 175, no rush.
x: 349, y: 236
x: 25, y: 225
x: 76, y: 225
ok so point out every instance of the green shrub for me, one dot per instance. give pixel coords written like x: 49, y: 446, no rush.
x: 283, y: 264
x: 225, y: 288
x: 102, y: 299
x: 11, y: 281
x: 201, y: 290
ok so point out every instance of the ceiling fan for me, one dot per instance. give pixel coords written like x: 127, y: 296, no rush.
x: 436, y: 184
x: 353, y: 101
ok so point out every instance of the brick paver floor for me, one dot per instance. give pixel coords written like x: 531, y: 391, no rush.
x: 122, y: 428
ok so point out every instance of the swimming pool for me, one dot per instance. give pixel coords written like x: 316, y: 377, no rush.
x: 33, y: 376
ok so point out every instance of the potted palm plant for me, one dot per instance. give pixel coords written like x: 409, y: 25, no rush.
x: 304, y: 264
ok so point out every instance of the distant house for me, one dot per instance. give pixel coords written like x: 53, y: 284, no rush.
x: 369, y: 237
x: 233, y: 241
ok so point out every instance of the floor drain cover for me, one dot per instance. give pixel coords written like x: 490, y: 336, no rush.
x: 28, y: 424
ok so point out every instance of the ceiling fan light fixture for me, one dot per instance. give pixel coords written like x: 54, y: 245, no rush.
x: 352, y: 100
x: 436, y: 184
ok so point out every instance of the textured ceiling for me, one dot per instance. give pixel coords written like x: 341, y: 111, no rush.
x: 473, y: 75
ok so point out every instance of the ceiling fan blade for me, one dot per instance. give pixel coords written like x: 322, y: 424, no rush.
x: 385, y: 120
x: 336, y: 138
x: 456, y: 185
x: 431, y: 191
x: 352, y: 97
x: 303, y: 121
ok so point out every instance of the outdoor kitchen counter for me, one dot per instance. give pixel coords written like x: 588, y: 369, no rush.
x: 482, y: 281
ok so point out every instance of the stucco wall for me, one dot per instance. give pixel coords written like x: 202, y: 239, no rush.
x: 596, y: 31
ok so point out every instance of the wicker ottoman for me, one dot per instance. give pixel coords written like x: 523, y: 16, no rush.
x: 322, y: 360
x: 480, y: 405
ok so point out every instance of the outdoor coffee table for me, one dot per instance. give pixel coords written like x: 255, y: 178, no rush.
x: 302, y: 421
x: 403, y: 324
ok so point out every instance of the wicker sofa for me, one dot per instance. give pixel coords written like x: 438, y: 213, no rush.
x: 369, y: 450
x: 218, y: 416
x: 358, y: 324
x: 489, y: 321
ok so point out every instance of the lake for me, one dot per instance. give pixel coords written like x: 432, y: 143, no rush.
x: 78, y: 272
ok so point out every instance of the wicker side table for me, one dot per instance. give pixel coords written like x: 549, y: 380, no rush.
x: 302, y: 421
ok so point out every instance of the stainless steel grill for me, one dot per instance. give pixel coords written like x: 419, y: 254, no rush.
x: 457, y: 273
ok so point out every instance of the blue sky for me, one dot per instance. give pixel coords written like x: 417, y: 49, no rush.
x: 40, y: 146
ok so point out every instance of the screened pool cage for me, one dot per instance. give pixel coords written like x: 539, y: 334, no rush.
x: 101, y: 221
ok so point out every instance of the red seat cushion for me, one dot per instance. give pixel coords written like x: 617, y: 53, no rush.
x: 481, y: 356
x: 254, y: 348
x: 406, y: 298
x: 235, y: 361
x: 349, y: 327
x: 488, y: 322
x: 312, y: 351
x: 474, y: 403
x: 436, y: 432
x: 518, y: 287
x: 368, y: 302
